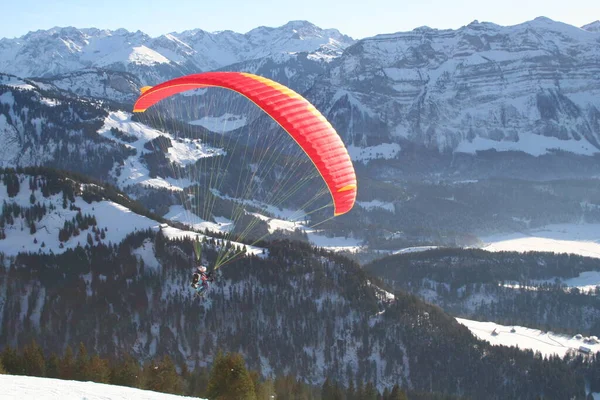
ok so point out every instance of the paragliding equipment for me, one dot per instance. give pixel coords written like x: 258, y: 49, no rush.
x: 212, y: 178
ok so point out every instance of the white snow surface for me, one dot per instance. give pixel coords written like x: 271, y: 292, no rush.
x: 415, y: 249
x: 225, y: 123
x: 533, y: 144
x: 369, y: 205
x: 15, y: 82
x: 180, y: 214
x: 581, y: 239
x: 29, y: 387
x: 547, y: 343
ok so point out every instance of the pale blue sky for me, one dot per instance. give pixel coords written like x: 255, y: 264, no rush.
x: 357, y: 18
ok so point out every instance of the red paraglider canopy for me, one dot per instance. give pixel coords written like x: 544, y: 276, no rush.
x: 298, y: 117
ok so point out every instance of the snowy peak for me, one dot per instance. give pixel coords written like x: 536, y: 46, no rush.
x: 55, y: 51
x: 592, y: 27
x: 60, y: 50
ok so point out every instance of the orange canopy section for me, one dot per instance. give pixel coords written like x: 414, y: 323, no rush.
x: 299, y: 118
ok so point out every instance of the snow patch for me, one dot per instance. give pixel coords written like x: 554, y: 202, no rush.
x: 530, y: 143
x: 581, y: 239
x: 547, y: 343
x: 225, y: 123
x: 369, y: 205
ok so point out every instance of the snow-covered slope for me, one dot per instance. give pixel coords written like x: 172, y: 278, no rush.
x: 34, y: 221
x: 547, y: 343
x: 592, y: 27
x: 581, y: 239
x: 29, y: 387
x: 135, y: 171
x: 62, y: 50
x: 530, y: 87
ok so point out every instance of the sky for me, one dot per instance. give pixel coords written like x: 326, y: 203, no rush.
x: 356, y: 18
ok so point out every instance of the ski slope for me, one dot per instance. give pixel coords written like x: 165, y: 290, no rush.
x: 547, y: 343
x: 581, y: 239
x: 29, y: 387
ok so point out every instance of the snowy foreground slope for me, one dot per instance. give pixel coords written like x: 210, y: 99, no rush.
x: 547, y: 343
x: 28, y: 387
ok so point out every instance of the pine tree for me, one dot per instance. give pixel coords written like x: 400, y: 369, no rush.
x: 198, y: 382
x: 126, y: 373
x: 229, y: 379
x: 12, y: 362
x: 33, y: 360
x: 162, y: 376
x: 351, y: 392
x: 398, y: 394
x: 53, y: 366
x: 370, y: 392
x: 67, y: 365
x: 264, y: 390
x: 327, y: 389
x: 98, y: 370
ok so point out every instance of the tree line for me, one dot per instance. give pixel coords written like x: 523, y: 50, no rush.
x: 227, y: 379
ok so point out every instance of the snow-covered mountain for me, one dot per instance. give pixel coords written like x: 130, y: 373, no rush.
x: 592, y: 27
x: 58, y: 51
x: 97, y: 83
x: 531, y: 87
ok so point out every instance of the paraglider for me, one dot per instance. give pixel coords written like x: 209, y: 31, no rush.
x: 200, y: 280
x: 297, y: 116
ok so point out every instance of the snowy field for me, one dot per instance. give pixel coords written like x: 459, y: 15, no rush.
x: 547, y: 343
x: 581, y: 239
x: 225, y: 123
x: 29, y: 387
